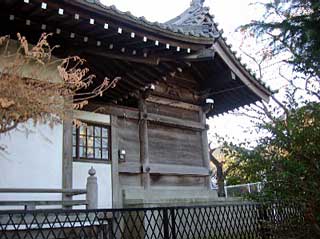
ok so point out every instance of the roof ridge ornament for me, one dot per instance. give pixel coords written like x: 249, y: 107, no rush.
x: 196, y: 21
x: 197, y: 3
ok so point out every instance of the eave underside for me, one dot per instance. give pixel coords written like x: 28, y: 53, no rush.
x: 137, y: 60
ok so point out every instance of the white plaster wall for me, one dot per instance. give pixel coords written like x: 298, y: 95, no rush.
x: 103, y: 174
x: 103, y: 171
x: 33, y: 161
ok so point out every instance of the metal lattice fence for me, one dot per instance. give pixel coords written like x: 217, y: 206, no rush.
x: 197, y: 222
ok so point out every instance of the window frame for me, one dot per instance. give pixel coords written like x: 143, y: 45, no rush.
x: 77, y: 144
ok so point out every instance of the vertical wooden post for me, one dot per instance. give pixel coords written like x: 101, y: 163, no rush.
x: 264, y: 221
x: 144, y: 143
x: 205, y: 148
x: 67, y: 157
x: 166, y: 234
x: 92, y: 190
x: 173, y: 224
x: 116, y: 197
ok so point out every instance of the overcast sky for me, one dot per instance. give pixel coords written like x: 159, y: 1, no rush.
x: 230, y: 14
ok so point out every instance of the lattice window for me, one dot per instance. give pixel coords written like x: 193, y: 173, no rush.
x: 91, y: 142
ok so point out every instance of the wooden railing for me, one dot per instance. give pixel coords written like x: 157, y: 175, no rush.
x: 91, y: 192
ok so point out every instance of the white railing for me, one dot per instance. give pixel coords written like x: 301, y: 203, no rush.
x: 91, y: 192
x: 242, y: 189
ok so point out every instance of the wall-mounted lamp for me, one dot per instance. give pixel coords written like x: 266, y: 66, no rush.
x: 122, y: 155
x: 208, y: 105
x: 209, y: 101
x: 150, y: 87
x: 233, y: 76
x: 148, y: 90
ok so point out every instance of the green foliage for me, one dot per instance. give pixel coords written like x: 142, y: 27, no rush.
x: 292, y: 26
x: 287, y: 158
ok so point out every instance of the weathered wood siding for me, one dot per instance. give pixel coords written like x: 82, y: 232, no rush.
x: 129, y: 139
x: 175, y: 151
x: 172, y: 180
x: 168, y: 110
x: 170, y: 145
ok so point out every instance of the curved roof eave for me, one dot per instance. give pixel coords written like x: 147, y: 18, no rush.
x: 166, y: 30
x: 257, y: 86
x: 175, y: 29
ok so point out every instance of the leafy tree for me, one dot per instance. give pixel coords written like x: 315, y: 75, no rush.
x: 292, y: 26
x: 26, y: 93
x: 286, y: 158
x: 223, y: 165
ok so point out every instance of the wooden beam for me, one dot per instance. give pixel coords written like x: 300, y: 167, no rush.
x: 126, y: 71
x: 116, y: 92
x: 202, y: 55
x: 116, y: 191
x: 114, y: 110
x: 205, y: 148
x: 147, y: 60
x: 135, y: 115
x: 174, y: 103
x: 43, y: 190
x: 145, y: 77
x: 198, y: 73
x: 67, y: 203
x: 147, y: 71
x: 171, y: 169
x: 159, y: 71
x: 177, y: 122
x: 134, y: 168
x: 134, y: 72
x: 67, y: 168
x: 164, y: 169
x: 144, y: 140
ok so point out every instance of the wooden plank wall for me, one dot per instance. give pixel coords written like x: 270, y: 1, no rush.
x: 169, y: 145
x: 176, y: 145
x: 176, y: 112
x: 128, y: 135
x: 130, y: 170
x: 175, y: 152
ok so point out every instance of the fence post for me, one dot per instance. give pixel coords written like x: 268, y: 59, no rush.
x: 173, y: 224
x: 263, y: 221
x: 165, y: 224
x: 225, y: 189
x: 92, y: 190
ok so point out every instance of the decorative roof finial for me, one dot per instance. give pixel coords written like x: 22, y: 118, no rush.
x: 197, y: 3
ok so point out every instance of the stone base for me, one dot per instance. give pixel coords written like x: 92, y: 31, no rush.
x: 159, y: 197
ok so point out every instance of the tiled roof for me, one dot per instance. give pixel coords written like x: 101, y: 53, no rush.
x: 196, y: 21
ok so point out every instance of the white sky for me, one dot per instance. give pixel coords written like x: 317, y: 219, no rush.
x: 230, y: 14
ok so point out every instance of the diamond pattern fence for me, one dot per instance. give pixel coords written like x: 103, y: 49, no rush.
x: 194, y: 222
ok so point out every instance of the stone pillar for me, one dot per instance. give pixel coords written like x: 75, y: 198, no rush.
x: 92, y: 190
